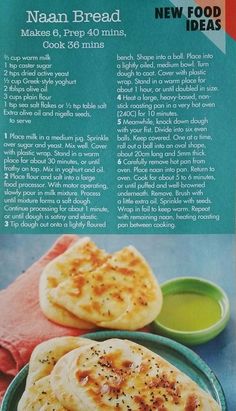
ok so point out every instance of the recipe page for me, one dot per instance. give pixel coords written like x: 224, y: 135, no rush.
x: 117, y: 189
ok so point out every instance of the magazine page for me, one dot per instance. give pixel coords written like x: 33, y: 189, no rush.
x: 117, y: 211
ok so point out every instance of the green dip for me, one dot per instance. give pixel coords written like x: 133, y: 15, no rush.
x: 189, y: 311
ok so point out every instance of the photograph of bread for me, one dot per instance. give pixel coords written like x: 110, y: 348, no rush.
x: 71, y: 291
x: 78, y: 374
x: 38, y: 392
x: 85, y: 287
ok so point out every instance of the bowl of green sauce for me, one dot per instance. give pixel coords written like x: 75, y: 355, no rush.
x: 194, y: 310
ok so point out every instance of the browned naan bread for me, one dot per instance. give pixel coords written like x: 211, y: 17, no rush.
x: 83, y: 256
x: 116, y: 291
x: 38, y: 394
x: 122, y: 375
x: 40, y: 397
x: 77, y: 374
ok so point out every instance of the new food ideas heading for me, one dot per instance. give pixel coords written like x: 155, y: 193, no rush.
x: 197, y: 18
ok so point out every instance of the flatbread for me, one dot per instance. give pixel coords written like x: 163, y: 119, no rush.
x: 121, y: 293
x: 40, y: 397
x: 38, y: 394
x: 82, y: 257
x: 87, y: 287
x: 46, y: 355
x: 123, y: 375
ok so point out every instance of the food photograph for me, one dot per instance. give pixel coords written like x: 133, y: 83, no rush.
x: 111, y: 322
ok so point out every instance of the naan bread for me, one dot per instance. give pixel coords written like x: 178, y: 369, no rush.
x: 40, y: 397
x: 82, y: 257
x: 86, y: 287
x: 38, y: 394
x: 122, y: 293
x: 122, y: 375
x: 46, y: 355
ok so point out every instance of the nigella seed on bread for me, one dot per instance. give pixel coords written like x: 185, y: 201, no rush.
x: 82, y: 257
x: 120, y: 374
x: 78, y: 374
x: 86, y: 287
x: 38, y: 394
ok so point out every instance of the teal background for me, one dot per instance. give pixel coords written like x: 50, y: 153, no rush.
x: 96, y: 73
